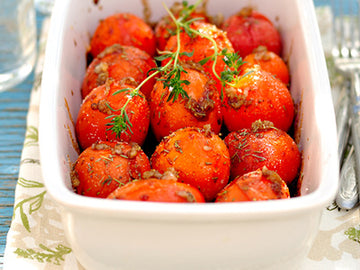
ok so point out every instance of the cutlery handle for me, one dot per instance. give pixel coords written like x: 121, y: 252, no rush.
x: 343, y: 120
x: 355, y: 122
x: 347, y: 195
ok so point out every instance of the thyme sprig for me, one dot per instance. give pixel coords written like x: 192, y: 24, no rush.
x: 170, y: 74
x: 172, y: 70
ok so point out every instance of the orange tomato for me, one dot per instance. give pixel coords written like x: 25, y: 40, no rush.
x: 154, y: 189
x: 123, y: 29
x: 258, y: 185
x: 199, y: 156
x: 165, y: 27
x: 117, y: 63
x: 201, y: 108
x: 202, y: 48
x: 99, y: 109
x: 104, y: 166
x: 257, y: 95
x: 263, y: 145
x: 268, y: 61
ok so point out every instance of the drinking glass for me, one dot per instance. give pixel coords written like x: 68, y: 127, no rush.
x: 44, y: 6
x: 17, y: 41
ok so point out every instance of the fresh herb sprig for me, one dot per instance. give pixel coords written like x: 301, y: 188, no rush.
x: 170, y: 74
x: 229, y: 76
x: 171, y: 71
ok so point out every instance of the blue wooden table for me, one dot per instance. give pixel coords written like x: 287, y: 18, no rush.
x: 14, y: 104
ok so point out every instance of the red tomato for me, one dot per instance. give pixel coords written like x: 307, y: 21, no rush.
x: 249, y: 29
x: 201, y: 108
x: 257, y: 95
x: 98, y: 109
x: 123, y: 29
x: 268, y: 61
x: 165, y: 27
x: 117, y: 63
x: 263, y: 145
x: 199, y: 156
x: 202, y: 48
x: 158, y: 190
x: 258, y: 185
x: 104, y: 166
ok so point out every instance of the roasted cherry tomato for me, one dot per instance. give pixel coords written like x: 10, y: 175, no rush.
x: 199, y: 156
x: 165, y: 27
x: 258, y: 185
x: 153, y: 189
x: 263, y: 145
x: 123, y: 29
x: 201, y: 48
x: 202, y: 105
x: 257, y: 95
x: 270, y: 62
x: 249, y: 29
x: 103, y: 106
x: 117, y: 63
x: 104, y: 166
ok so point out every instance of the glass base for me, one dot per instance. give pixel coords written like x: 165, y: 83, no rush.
x: 14, y: 77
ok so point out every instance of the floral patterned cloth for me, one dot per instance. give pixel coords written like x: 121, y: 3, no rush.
x: 36, y: 238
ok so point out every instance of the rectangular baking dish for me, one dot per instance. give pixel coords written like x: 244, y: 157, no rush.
x: 107, y: 234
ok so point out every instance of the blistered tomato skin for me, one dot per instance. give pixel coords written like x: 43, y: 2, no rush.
x: 263, y: 145
x: 98, y: 109
x: 258, y: 185
x: 257, y: 96
x: 158, y: 190
x: 202, y: 48
x: 116, y: 63
x: 123, y: 29
x: 268, y: 61
x: 199, y: 156
x: 104, y: 166
x: 201, y: 108
x: 249, y: 29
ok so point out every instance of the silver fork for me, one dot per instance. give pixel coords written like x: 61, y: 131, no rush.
x: 346, y: 54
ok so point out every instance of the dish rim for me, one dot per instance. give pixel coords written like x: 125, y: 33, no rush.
x: 56, y: 187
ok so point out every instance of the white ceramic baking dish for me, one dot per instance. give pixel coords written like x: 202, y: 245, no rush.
x: 107, y: 234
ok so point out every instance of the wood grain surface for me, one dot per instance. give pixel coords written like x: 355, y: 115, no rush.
x: 14, y: 104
